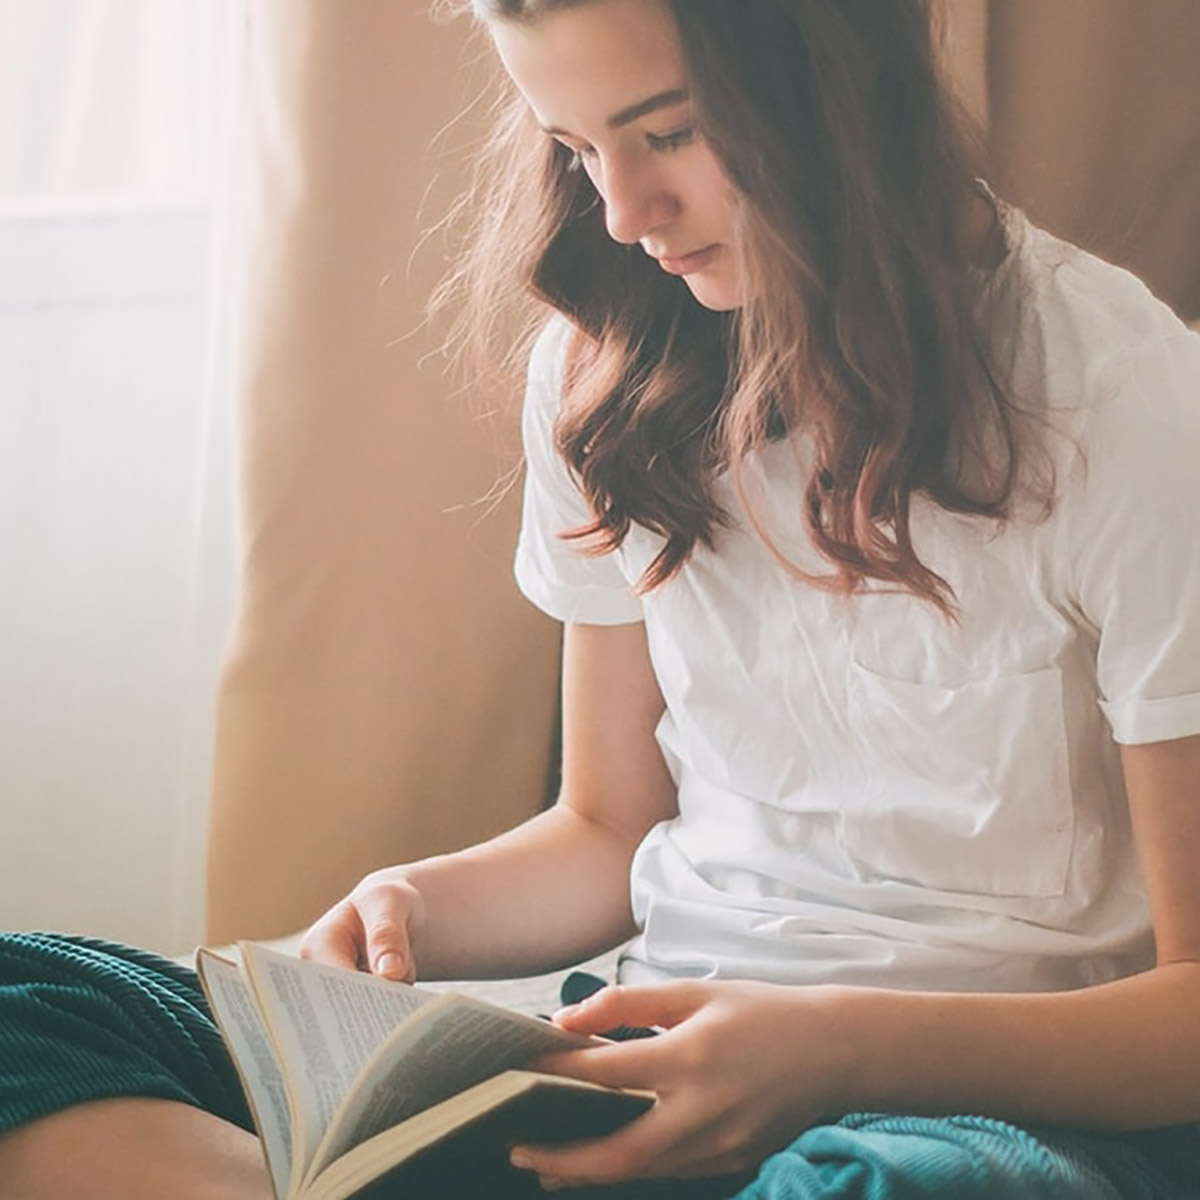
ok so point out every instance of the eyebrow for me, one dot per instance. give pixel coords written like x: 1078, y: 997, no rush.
x: 626, y: 116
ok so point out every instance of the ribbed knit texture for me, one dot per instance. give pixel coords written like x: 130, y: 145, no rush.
x: 82, y: 1019
x: 874, y: 1157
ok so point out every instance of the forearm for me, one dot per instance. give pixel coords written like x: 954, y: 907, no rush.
x: 1123, y: 1055
x: 548, y: 893
x: 555, y: 889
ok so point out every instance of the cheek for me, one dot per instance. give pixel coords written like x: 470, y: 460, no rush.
x: 719, y: 198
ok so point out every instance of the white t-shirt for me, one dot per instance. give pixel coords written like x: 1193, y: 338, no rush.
x: 867, y: 793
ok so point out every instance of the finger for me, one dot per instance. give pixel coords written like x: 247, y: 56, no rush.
x: 336, y: 938
x: 664, y: 1005
x: 638, y: 1064
x: 651, y: 1146
x: 384, y: 912
x: 612, y: 1159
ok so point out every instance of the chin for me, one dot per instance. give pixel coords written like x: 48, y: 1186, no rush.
x: 719, y: 297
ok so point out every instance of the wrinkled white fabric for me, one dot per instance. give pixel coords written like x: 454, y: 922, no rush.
x: 871, y: 794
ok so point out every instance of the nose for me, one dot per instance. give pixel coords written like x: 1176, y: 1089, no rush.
x: 636, y: 202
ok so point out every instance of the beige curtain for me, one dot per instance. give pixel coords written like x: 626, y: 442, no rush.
x: 388, y: 694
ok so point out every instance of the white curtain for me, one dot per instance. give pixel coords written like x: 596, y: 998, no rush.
x: 120, y: 171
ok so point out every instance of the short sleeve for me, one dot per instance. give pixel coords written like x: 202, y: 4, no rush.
x: 1133, y: 511
x: 553, y: 573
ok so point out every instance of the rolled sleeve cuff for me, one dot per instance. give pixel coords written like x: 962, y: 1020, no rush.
x: 576, y: 605
x: 1136, y: 721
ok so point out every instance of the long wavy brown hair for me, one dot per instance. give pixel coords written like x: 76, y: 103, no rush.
x: 853, y: 172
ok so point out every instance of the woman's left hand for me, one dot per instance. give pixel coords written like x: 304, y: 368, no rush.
x: 740, y: 1070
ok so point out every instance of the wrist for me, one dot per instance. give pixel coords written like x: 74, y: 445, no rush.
x: 859, y: 1049
x: 822, y: 1044
x: 904, y: 1052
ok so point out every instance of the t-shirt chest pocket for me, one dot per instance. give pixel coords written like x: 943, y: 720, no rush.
x: 966, y: 789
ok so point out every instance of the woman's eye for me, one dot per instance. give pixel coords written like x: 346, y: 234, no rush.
x: 672, y: 141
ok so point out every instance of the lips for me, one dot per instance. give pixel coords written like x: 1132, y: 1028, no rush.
x: 686, y: 264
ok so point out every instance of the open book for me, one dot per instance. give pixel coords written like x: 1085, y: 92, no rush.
x: 355, y: 1080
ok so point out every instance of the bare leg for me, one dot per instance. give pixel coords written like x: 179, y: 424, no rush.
x: 132, y: 1149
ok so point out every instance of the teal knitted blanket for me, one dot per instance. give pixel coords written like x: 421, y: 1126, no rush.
x: 877, y: 1157
x: 82, y: 1020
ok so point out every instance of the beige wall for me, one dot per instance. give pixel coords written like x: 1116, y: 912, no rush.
x: 1095, y: 127
x: 1092, y: 115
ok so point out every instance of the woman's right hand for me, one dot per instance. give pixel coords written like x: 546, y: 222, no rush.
x: 373, y: 929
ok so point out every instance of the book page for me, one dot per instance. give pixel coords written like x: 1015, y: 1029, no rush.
x: 246, y: 1036
x: 451, y: 1045
x: 326, y: 1022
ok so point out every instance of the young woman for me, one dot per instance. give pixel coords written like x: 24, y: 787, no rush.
x: 869, y: 512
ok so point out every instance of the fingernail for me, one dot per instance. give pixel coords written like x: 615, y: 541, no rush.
x: 389, y: 963
x: 520, y: 1159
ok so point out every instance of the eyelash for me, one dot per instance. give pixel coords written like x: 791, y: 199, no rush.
x: 676, y: 140
x: 664, y: 143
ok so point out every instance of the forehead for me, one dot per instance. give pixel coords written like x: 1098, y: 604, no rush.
x: 580, y: 64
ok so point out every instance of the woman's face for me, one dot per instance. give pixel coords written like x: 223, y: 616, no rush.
x: 606, y: 78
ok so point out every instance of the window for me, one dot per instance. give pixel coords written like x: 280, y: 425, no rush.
x: 115, y: 100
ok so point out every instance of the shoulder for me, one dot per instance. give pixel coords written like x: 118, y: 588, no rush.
x: 548, y: 360
x: 1126, y: 393
x: 1106, y: 370
x: 1064, y: 321
x: 544, y: 391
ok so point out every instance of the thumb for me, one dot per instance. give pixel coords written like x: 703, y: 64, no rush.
x: 664, y: 1005
x: 386, y: 942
